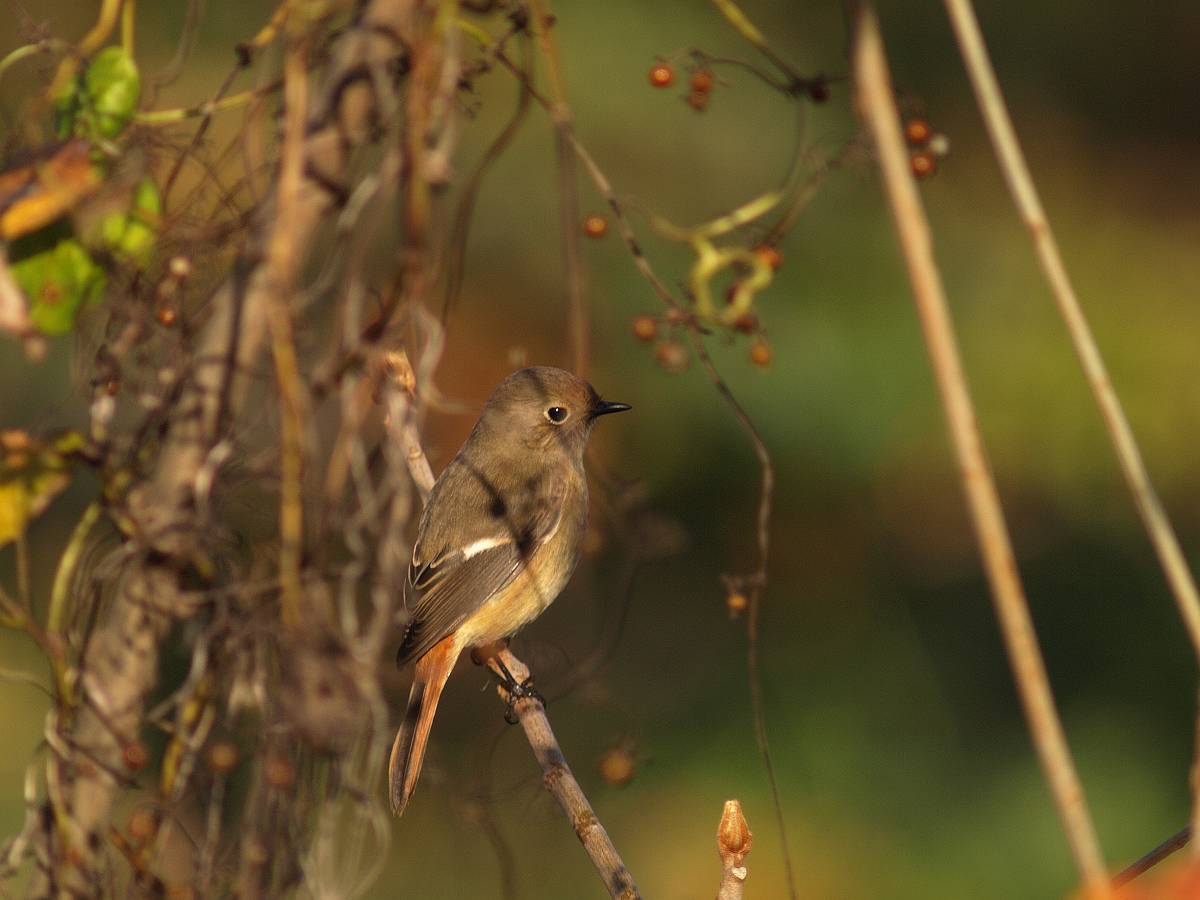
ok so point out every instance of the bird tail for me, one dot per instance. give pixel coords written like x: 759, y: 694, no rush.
x: 408, y: 751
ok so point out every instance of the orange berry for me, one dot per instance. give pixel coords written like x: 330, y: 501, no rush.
x: 702, y: 81
x: 923, y: 164
x: 672, y: 356
x: 916, y: 131
x: 165, y: 315
x: 770, y: 255
x: 279, y: 772
x: 662, y: 75
x: 142, y: 825
x: 736, y: 603
x: 698, y: 100
x: 595, y: 226
x: 135, y: 756
x: 644, y: 327
x: 617, y: 766
x: 222, y: 756
x: 760, y: 353
x: 676, y: 316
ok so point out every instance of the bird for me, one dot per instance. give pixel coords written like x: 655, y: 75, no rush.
x: 497, y: 541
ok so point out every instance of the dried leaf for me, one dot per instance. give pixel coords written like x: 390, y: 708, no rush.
x: 31, y: 475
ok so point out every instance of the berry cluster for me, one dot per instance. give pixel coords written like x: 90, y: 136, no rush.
x: 673, y: 356
x: 700, y: 83
x: 927, y: 147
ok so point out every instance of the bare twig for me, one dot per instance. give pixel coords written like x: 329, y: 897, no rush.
x: 402, y: 424
x: 734, y: 839
x: 1029, y: 205
x: 873, y: 84
x: 283, y: 263
x: 560, y: 114
x: 1175, y: 842
x: 560, y: 781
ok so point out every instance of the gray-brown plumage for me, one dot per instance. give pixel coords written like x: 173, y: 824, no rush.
x: 498, y: 540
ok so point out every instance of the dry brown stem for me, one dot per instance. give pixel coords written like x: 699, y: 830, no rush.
x: 560, y: 781
x: 877, y: 106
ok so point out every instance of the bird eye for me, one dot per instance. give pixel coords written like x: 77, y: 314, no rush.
x: 556, y: 414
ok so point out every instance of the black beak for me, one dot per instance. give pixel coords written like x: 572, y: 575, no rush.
x: 604, y: 407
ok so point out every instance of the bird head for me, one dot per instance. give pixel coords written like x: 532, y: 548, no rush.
x: 543, y: 406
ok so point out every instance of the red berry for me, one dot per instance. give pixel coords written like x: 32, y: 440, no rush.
x: 702, y: 81
x: 644, y: 327
x: 770, y: 255
x: 617, y: 766
x: 923, y: 164
x: 916, y: 131
x: 662, y: 75
x: 595, y: 226
x: 672, y: 356
x: 760, y: 353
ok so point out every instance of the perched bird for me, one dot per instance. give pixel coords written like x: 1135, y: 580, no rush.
x: 497, y: 542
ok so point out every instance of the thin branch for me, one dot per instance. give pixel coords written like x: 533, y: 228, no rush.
x: 283, y: 263
x: 1175, y: 842
x: 560, y: 113
x: 560, y: 781
x: 878, y: 106
x: 1029, y: 205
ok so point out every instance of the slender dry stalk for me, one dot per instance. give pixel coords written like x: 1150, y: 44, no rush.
x: 877, y: 104
x: 561, y: 783
x: 1029, y: 205
x: 560, y: 114
x: 734, y: 839
x: 283, y: 262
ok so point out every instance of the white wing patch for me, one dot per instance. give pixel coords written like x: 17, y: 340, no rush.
x: 476, y: 547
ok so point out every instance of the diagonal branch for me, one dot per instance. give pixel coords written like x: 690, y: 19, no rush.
x: 560, y: 781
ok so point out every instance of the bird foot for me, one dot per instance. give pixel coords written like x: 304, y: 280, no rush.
x: 517, y: 691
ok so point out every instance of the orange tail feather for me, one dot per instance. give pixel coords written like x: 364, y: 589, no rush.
x: 408, y: 751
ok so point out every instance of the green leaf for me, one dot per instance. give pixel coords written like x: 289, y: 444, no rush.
x: 130, y: 236
x: 58, y: 283
x: 101, y: 102
x: 113, y: 88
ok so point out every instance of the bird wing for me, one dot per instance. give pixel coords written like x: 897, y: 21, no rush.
x: 446, y: 583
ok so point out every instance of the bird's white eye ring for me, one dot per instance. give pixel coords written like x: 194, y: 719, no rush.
x: 557, y: 414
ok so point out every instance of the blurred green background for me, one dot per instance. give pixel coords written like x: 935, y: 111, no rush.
x: 902, y: 756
